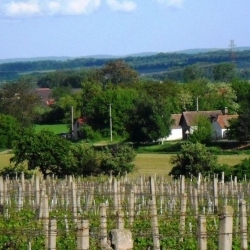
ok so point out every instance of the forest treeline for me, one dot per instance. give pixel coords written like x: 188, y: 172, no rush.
x: 159, y: 66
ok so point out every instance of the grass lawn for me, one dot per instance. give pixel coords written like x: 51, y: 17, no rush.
x: 150, y: 164
x: 5, y: 159
x: 56, y: 128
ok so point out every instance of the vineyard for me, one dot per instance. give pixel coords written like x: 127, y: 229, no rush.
x: 160, y: 213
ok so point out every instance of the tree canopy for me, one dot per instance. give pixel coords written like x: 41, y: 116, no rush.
x: 193, y: 159
x: 43, y: 150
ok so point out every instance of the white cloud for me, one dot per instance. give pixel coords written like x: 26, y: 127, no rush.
x: 48, y: 7
x: 172, y: 3
x: 21, y: 8
x: 125, y: 5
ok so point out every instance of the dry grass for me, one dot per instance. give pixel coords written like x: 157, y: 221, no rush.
x: 150, y: 164
x: 231, y: 160
x: 5, y: 159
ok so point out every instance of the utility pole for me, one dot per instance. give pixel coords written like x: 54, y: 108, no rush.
x: 110, y: 123
x: 72, y: 122
x: 232, y: 51
x: 197, y: 104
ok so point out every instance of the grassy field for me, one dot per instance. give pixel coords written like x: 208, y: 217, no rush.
x: 150, y: 164
x: 56, y: 128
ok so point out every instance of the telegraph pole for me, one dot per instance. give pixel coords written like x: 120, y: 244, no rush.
x: 232, y: 51
x: 110, y: 123
x: 72, y: 122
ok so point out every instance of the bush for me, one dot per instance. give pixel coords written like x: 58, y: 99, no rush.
x: 85, y: 160
x: 193, y: 159
x: 16, y: 171
x: 228, y: 171
x: 89, y: 134
x: 242, y: 170
x: 118, y: 159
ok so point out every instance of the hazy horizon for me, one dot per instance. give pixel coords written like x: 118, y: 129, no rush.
x: 83, y: 28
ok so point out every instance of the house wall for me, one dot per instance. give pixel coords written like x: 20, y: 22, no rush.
x: 217, y: 132
x: 176, y: 134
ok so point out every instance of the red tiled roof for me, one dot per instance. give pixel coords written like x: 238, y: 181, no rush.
x: 190, y: 116
x: 223, y: 120
x: 176, y: 118
x: 81, y: 120
x: 44, y: 94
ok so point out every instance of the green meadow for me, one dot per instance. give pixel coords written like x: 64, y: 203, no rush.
x: 56, y: 128
x: 150, y: 164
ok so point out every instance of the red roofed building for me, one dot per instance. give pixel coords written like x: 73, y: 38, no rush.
x: 45, y: 95
x: 220, y: 125
x: 77, y: 127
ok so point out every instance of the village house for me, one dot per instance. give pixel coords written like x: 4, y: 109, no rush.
x: 176, y: 129
x: 185, y: 124
x: 220, y: 126
x: 77, y: 127
x: 45, y: 95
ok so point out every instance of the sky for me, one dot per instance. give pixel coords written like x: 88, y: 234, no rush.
x: 76, y: 28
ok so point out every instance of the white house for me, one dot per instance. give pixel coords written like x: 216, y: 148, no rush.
x: 220, y: 125
x: 176, y: 129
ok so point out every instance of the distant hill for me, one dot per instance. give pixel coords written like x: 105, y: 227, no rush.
x: 142, y: 54
x: 197, y: 51
x: 36, y: 59
x: 65, y: 58
x: 145, y: 63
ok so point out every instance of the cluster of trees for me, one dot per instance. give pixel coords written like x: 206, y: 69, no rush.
x: 141, y: 109
x: 52, y: 154
x: 195, y: 158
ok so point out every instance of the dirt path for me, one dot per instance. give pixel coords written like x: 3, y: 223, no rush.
x: 8, y: 151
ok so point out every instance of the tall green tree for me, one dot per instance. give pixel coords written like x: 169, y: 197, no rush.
x: 45, y: 151
x: 19, y: 100
x: 203, y: 130
x: 224, y: 72
x: 116, y: 101
x: 149, y: 120
x: 242, y: 90
x: 117, y: 72
x: 239, y: 129
x: 9, y: 128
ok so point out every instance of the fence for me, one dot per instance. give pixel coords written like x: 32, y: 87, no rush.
x: 152, y: 213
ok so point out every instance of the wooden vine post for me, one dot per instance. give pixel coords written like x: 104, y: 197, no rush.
x: 83, y: 235
x: 52, y: 234
x: 103, y: 225
x: 226, y: 228
x: 243, y: 225
x: 153, y: 214
x: 202, y: 232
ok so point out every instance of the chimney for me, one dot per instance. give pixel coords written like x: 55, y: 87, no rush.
x: 225, y: 111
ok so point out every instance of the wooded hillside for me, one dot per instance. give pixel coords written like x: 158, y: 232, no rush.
x: 159, y: 66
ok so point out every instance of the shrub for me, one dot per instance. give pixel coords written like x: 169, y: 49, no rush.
x: 89, y: 134
x: 118, y: 159
x: 242, y: 169
x: 193, y: 159
x: 228, y: 171
x: 16, y: 171
x: 85, y: 160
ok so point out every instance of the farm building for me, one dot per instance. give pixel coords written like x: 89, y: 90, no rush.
x: 184, y: 124
x: 220, y: 125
